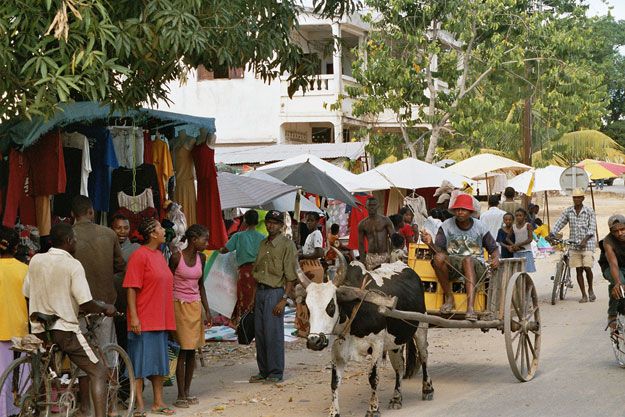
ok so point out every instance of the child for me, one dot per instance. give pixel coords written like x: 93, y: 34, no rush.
x: 505, y: 236
x: 523, y: 235
x: 333, y: 241
x: 398, y: 253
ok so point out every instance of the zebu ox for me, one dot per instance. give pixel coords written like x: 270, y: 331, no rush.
x: 361, y: 330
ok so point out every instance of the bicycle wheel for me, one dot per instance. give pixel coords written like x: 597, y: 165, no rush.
x: 120, y: 399
x: 557, y: 279
x: 28, y: 398
x: 618, y: 340
x: 565, y: 283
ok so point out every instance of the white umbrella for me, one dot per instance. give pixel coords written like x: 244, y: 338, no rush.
x: 545, y: 179
x: 285, y: 202
x: 479, y: 166
x: 409, y: 173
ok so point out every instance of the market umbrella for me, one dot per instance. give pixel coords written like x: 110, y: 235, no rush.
x: 537, y: 180
x: 285, y: 202
x: 479, y: 166
x: 312, y: 179
x: 342, y: 176
x: 617, y: 169
x: 598, y: 172
x: 409, y: 173
x: 241, y: 191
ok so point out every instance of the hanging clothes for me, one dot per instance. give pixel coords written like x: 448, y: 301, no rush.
x: 419, y: 209
x: 19, y: 193
x: 47, y: 169
x: 103, y: 160
x: 73, y: 170
x: 184, y: 193
x: 133, y: 184
x: 136, y: 203
x: 147, y: 148
x: 208, y: 202
x: 128, y: 144
x: 356, y: 215
x: 79, y: 141
x: 164, y: 166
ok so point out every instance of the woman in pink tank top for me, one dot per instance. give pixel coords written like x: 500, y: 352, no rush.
x: 189, y: 299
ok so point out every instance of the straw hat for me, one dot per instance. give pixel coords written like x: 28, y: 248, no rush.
x: 578, y: 192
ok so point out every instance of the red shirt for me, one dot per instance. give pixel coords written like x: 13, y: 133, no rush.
x: 148, y: 272
x: 406, y: 231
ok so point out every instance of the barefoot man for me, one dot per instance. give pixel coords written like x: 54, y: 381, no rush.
x: 377, y: 230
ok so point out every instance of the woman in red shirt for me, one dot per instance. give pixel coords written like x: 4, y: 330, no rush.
x: 150, y: 286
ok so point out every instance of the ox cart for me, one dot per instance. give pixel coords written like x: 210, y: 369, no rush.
x: 505, y: 300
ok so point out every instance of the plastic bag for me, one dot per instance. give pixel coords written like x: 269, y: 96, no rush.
x: 220, y: 282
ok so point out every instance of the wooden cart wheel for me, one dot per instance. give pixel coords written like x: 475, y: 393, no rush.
x: 522, y: 326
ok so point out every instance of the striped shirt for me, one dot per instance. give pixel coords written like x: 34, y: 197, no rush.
x: 580, y: 225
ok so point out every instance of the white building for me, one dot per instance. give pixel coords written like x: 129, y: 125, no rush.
x: 251, y: 112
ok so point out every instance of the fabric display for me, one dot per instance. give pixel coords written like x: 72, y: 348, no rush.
x: 337, y: 213
x: 103, y: 160
x: 133, y: 182
x: 122, y: 169
x: 128, y: 145
x: 419, y: 209
x: 208, y: 203
x: 184, y: 193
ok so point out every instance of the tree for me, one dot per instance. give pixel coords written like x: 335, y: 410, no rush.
x: 124, y: 52
x: 450, y: 64
x: 577, y: 146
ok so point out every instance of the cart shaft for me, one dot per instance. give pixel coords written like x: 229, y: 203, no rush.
x: 439, y: 321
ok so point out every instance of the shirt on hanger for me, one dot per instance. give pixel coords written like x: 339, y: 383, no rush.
x: 122, y: 180
x: 79, y: 141
x: 161, y: 157
x: 47, y: 168
x: 128, y: 144
x: 73, y: 170
x: 103, y: 159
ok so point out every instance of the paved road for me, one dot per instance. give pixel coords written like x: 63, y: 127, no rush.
x: 577, y: 375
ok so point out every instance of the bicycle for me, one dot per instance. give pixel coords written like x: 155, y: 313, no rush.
x: 39, y: 384
x: 562, y: 278
x: 617, y: 334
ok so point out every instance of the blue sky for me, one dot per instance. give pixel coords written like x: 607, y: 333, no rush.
x: 598, y: 7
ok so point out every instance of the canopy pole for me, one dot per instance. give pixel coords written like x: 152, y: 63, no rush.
x: 547, y: 209
x: 487, y: 187
x: 296, y: 216
x: 592, y: 197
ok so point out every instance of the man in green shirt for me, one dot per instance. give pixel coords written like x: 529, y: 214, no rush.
x: 275, y: 275
x: 245, y: 246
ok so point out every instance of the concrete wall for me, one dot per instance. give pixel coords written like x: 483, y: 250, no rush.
x: 246, y: 111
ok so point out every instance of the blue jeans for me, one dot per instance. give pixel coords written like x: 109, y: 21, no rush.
x: 613, y: 303
x: 269, y: 333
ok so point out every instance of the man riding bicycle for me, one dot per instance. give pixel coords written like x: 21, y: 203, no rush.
x: 612, y: 262
x: 56, y: 287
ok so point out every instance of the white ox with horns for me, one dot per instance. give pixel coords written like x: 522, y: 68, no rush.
x: 348, y: 308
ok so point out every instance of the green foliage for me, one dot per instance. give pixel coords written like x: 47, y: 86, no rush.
x: 616, y: 130
x: 576, y: 146
x: 123, y: 52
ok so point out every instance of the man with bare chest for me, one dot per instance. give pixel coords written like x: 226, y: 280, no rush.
x: 377, y: 230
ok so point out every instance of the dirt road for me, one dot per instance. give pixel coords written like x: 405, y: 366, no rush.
x: 577, y: 374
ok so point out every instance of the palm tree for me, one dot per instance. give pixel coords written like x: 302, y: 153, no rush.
x: 573, y: 147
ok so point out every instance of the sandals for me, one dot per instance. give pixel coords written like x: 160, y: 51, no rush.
x: 470, y: 317
x: 193, y: 400
x: 181, y: 403
x: 257, y: 378
x: 166, y: 411
x: 139, y: 413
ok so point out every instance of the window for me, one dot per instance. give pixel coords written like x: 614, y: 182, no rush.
x: 321, y: 134
x: 219, y: 72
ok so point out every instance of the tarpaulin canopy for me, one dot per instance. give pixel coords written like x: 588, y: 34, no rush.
x: 537, y: 180
x: 285, y: 202
x: 409, y: 173
x: 479, y: 166
x: 241, y: 191
x: 26, y: 132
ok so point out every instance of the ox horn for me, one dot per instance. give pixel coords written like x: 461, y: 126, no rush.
x: 301, y: 275
x: 341, y: 271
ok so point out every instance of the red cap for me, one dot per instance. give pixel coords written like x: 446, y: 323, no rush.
x: 463, y: 201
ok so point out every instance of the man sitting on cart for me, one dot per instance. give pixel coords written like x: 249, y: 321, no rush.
x: 459, y: 252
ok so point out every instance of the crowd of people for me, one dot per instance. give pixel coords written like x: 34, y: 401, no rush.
x: 94, y: 269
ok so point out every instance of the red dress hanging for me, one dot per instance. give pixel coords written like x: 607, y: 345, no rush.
x: 208, y: 203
